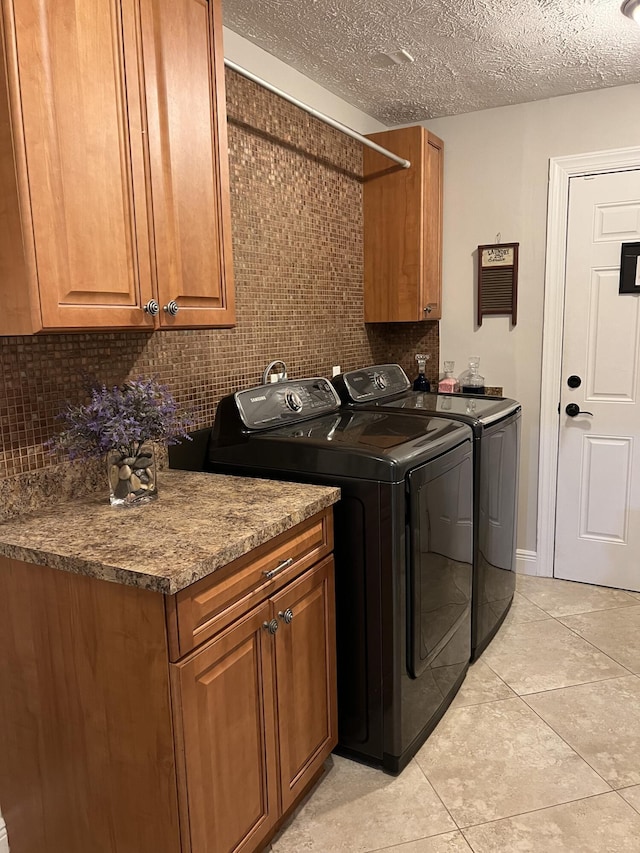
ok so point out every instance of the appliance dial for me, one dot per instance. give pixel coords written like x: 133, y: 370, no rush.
x: 380, y: 381
x: 293, y: 401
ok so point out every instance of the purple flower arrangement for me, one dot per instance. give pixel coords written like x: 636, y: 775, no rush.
x: 120, y: 418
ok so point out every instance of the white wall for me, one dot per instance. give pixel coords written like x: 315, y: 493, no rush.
x: 274, y: 71
x: 4, y: 843
x: 496, y: 172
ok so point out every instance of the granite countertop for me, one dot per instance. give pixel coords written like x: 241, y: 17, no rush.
x: 199, y: 523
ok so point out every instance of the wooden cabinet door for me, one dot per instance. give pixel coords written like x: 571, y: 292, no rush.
x: 74, y: 83
x: 306, y: 677
x: 403, y: 228
x: 225, y: 721
x: 184, y: 83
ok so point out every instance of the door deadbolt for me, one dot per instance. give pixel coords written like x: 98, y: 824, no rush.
x: 574, y: 381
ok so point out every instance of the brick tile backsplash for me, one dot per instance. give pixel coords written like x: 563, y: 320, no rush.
x: 296, y: 209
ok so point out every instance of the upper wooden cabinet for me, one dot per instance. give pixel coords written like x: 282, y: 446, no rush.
x: 113, y: 172
x: 403, y: 228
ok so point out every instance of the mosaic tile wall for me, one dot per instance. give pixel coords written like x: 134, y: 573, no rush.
x: 296, y: 203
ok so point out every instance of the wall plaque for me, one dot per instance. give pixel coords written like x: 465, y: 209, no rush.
x: 498, y: 280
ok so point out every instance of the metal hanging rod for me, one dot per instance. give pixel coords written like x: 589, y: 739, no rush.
x: 326, y: 119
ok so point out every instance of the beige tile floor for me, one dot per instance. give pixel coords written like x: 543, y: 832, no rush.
x: 538, y: 753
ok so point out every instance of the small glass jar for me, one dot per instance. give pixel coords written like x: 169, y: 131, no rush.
x: 449, y: 384
x: 471, y: 382
x: 421, y: 383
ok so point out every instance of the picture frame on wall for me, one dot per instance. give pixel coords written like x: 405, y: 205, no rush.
x: 629, y: 268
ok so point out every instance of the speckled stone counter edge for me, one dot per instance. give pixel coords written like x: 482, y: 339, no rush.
x: 200, y: 523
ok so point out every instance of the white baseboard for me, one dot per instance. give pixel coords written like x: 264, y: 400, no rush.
x: 4, y: 841
x: 526, y: 562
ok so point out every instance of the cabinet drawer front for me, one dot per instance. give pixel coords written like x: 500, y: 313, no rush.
x: 198, y: 612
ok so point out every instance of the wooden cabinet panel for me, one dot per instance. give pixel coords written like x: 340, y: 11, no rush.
x: 114, y: 179
x: 80, y: 147
x: 86, y: 733
x: 227, y: 724
x: 306, y: 677
x: 187, y: 146
x: 403, y: 228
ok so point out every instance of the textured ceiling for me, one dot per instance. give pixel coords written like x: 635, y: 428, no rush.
x: 469, y: 55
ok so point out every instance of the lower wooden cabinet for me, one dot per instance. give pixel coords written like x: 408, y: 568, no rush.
x: 256, y: 715
x: 131, y: 722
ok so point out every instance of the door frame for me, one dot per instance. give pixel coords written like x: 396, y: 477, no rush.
x: 561, y: 170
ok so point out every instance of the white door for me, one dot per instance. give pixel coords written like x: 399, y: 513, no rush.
x: 598, y: 490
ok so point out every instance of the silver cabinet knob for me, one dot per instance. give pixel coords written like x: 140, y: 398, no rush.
x: 428, y: 309
x: 287, y: 616
x: 271, y: 626
x: 171, y: 308
x: 151, y: 307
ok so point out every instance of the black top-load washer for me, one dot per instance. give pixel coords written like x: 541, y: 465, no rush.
x: 495, y: 422
x: 403, y: 546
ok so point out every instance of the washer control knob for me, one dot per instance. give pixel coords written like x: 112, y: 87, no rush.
x: 293, y: 401
x: 380, y: 381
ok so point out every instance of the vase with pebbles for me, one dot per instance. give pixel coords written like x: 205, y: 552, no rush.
x: 132, y: 477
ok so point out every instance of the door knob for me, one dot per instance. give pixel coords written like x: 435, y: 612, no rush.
x: 573, y: 409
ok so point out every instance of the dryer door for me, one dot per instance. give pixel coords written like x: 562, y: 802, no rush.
x: 440, y: 495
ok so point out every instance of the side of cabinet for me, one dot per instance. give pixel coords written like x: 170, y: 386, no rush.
x: 403, y: 228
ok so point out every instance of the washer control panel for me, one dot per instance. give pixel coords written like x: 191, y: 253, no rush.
x: 372, y: 383
x: 286, y: 402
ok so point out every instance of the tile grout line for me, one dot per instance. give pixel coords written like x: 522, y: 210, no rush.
x: 432, y: 786
x: 572, y: 748
x: 541, y: 809
x: 413, y: 841
x: 592, y: 644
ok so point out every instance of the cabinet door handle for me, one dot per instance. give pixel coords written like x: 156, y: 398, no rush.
x: 428, y: 309
x: 284, y: 565
x: 171, y: 308
x: 287, y: 616
x: 271, y: 626
x: 151, y: 307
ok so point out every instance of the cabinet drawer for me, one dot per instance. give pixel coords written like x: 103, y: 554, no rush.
x: 197, y: 613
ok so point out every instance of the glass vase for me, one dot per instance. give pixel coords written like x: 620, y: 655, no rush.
x: 132, y: 478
